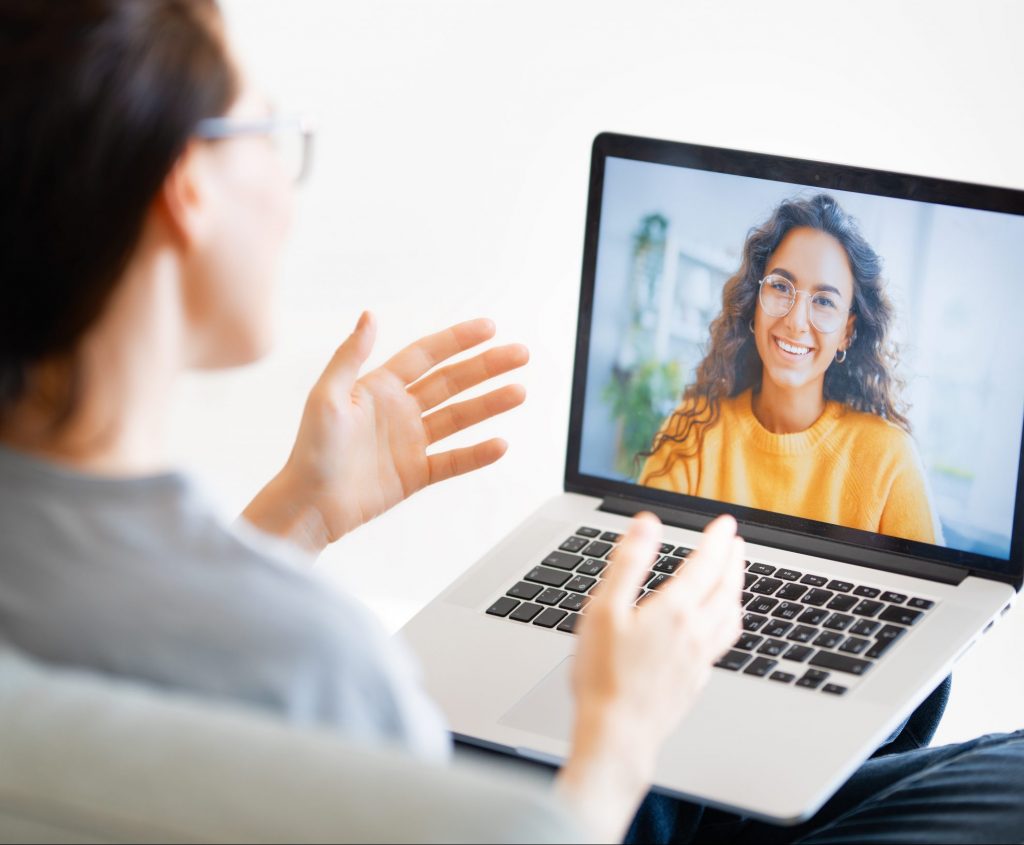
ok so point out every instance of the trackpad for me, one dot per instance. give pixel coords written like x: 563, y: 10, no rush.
x: 547, y: 709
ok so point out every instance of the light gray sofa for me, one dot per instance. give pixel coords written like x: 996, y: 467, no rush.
x: 87, y: 759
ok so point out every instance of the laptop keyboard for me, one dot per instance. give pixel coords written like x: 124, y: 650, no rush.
x: 799, y: 628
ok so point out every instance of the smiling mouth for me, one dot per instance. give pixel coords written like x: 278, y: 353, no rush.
x: 791, y: 348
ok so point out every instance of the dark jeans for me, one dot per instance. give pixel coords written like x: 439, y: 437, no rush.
x: 906, y: 793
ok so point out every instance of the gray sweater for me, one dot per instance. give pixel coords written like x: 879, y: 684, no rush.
x: 139, y: 578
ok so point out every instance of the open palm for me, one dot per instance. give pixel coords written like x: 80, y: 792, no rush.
x: 362, y: 443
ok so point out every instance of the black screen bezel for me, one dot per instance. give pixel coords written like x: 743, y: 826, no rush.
x: 802, y: 173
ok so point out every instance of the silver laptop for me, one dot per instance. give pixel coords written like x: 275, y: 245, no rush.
x: 883, y: 541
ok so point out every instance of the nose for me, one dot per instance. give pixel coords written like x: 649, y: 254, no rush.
x: 798, y: 320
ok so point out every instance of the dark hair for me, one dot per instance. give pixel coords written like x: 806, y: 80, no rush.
x: 866, y: 381
x: 98, y: 99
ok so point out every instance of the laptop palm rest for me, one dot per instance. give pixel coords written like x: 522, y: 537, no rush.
x: 547, y: 709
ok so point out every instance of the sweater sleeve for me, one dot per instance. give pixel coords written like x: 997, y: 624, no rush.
x: 908, y: 511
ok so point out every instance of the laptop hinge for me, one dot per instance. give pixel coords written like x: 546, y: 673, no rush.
x: 802, y: 543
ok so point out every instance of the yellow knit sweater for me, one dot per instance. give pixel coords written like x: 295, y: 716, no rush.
x: 849, y: 468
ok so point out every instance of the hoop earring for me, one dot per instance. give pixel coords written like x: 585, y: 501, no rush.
x: 750, y: 326
x: 843, y: 353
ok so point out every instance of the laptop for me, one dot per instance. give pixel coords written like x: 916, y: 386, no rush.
x: 871, y: 569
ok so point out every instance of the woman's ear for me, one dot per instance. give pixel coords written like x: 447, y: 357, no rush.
x: 179, y: 202
x: 851, y: 331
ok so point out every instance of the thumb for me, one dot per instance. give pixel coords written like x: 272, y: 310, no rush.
x: 634, y: 556
x: 343, y: 370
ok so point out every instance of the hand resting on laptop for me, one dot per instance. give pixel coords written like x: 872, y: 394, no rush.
x: 639, y: 670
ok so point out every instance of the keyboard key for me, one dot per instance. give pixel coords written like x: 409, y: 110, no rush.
x: 587, y: 532
x: 761, y: 569
x: 666, y: 548
x: 547, y: 577
x: 798, y: 653
x: 751, y: 621
x: 668, y: 565
x: 503, y: 606
x: 814, y: 580
x: 682, y: 551
x: 591, y: 567
x: 773, y: 648
x: 840, y: 586
x: 580, y: 584
x: 569, y: 623
x: 812, y: 679
x: 791, y: 592
x: 525, y: 612
x: 879, y: 648
x: 787, y: 574
x: 644, y: 596
x: 561, y: 560
x: 574, y: 601
x: 901, y: 615
x: 766, y: 586
x: 838, y: 622
x: 611, y: 537
x: 866, y: 592
x: 854, y: 645
x: 782, y: 677
x: 787, y: 610
x: 834, y: 689
x: 828, y: 639
x: 745, y: 597
x: 573, y: 544
x: 748, y: 642
x: 865, y: 627
x: 760, y: 667
x: 550, y: 617
x: 525, y: 591
x: 894, y: 598
x: 802, y: 634
x: 890, y: 632
x: 813, y: 616
x: 840, y: 663
x: 734, y: 660
x: 550, y: 596
x: 597, y: 549
x: 658, y: 581
x: 817, y: 598
x: 762, y: 604
x: 868, y: 608
x: 841, y: 603
x: 748, y: 580
x: 776, y: 628
x: 921, y: 604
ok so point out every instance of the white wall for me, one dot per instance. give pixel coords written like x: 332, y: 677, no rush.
x: 450, y: 181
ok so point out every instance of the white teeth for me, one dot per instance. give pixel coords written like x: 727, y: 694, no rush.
x: 788, y: 347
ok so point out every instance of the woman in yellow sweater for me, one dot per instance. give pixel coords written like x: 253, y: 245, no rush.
x: 795, y: 408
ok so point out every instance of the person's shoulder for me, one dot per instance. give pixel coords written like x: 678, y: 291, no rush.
x: 876, y: 435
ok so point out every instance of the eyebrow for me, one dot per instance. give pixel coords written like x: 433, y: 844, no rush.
x: 781, y: 271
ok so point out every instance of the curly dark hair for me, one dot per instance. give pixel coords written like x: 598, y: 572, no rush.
x: 866, y: 381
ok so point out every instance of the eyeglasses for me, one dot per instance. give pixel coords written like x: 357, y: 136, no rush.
x: 778, y: 295
x: 291, y: 136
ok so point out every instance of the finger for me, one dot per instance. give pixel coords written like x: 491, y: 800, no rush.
x: 445, y: 465
x: 449, y: 381
x: 452, y: 418
x: 343, y: 369
x: 633, y: 557
x: 706, y: 566
x: 427, y: 352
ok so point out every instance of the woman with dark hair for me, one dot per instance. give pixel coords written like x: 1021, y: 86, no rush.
x: 143, y: 207
x: 798, y: 386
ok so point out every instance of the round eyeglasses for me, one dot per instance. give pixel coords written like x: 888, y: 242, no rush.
x: 778, y: 295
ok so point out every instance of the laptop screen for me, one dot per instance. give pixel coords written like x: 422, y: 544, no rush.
x: 843, y: 359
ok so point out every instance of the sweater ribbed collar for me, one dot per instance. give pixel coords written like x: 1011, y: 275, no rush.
x: 797, y: 443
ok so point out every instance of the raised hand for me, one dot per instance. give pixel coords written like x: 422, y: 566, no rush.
x: 362, y: 443
x: 639, y: 670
